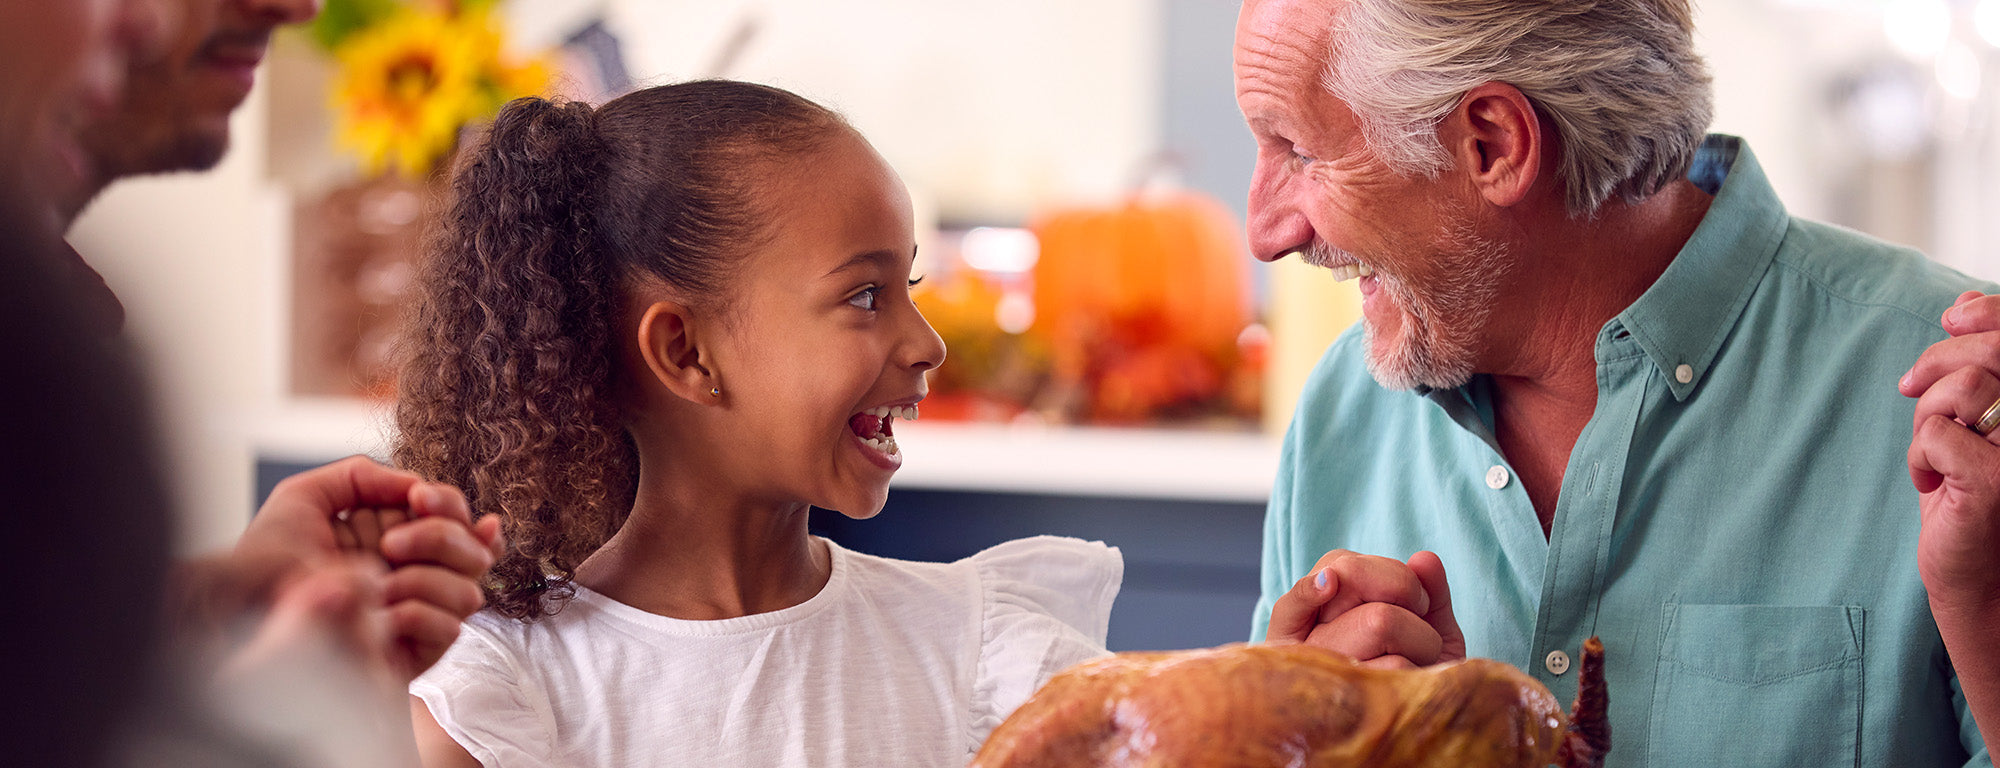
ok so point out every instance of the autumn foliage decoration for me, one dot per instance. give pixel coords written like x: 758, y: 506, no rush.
x: 1142, y: 305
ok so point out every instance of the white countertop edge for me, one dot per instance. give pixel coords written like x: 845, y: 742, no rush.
x: 1062, y: 460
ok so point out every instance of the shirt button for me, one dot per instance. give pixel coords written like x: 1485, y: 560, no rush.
x: 1496, y: 477
x: 1557, y: 662
x: 1684, y: 373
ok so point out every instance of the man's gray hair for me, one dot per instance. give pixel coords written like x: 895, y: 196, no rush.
x: 1620, y: 80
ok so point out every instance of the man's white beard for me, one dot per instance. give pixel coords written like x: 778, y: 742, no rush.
x: 1440, y: 329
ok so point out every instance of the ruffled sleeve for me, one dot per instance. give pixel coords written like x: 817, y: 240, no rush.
x: 1046, y: 606
x: 479, y: 695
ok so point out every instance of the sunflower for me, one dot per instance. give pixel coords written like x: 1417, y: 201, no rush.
x: 407, y: 84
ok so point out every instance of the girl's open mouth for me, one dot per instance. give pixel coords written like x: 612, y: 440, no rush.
x: 875, y: 429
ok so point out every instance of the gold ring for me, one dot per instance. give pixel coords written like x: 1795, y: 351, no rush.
x: 1989, y: 420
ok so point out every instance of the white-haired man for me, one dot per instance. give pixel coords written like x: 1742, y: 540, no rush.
x: 1607, y: 380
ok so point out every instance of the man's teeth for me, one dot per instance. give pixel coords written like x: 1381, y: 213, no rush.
x: 1346, y: 272
x: 885, y: 444
x: 904, y: 412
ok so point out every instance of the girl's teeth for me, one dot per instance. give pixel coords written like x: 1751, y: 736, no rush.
x: 906, y: 412
x: 886, y: 444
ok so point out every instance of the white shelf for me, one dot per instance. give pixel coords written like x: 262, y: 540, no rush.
x: 1088, y: 461
x: 1092, y: 461
x: 321, y: 429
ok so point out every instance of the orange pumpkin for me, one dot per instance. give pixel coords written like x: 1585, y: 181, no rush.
x: 1141, y: 303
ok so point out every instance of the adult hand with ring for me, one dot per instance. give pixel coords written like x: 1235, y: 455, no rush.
x: 1988, y: 420
x: 1954, y: 461
x: 1954, y: 455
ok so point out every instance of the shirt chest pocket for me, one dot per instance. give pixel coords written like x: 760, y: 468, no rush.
x: 1758, y: 685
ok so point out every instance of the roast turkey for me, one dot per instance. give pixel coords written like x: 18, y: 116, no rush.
x: 1297, y: 705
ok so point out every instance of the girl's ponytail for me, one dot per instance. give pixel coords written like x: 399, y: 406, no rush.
x: 506, y: 383
x: 508, y: 386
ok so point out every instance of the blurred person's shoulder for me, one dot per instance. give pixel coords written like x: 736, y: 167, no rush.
x: 79, y: 468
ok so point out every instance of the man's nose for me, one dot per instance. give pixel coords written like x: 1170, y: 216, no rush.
x: 1277, y: 224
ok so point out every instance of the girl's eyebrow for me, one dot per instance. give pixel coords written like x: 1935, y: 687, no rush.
x: 879, y: 258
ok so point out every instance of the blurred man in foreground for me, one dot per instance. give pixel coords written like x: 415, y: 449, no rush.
x: 352, y: 565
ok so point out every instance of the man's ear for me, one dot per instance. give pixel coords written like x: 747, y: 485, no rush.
x: 668, y: 342
x: 1496, y: 140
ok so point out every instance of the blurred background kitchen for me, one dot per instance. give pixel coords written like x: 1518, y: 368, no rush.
x: 1119, y: 369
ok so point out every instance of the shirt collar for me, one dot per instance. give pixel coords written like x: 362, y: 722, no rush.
x: 1682, y: 319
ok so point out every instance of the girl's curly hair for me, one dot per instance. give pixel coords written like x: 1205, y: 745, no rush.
x: 508, y: 375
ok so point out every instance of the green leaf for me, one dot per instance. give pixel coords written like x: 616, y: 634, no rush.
x: 340, y: 18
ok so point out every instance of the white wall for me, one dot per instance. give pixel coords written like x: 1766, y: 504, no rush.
x: 192, y: 258
x: 981, y: 105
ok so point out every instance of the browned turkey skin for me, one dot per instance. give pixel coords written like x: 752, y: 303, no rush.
x: 1296, y: 705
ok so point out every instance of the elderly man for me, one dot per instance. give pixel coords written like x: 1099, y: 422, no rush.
x: 1611, y: 384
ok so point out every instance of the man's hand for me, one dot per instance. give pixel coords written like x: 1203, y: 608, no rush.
x: 1380, y: 611
x: 1956, y: 470
x: 434, y: 553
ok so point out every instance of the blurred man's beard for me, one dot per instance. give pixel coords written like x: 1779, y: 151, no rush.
x: 140, y: 144
x: 194, y: 148
x: 1442, y: 322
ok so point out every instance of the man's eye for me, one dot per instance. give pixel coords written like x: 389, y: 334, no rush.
x: 865, y: 299
x: 1299, y: 156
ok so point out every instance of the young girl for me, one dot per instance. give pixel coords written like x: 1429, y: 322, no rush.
x: 654, y: 336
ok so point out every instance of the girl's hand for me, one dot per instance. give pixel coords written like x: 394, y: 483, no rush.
x: 359, y: 531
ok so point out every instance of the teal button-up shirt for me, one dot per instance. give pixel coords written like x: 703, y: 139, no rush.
x: 1736, y: 520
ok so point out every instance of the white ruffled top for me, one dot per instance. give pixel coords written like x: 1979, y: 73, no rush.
x: 892, y: 663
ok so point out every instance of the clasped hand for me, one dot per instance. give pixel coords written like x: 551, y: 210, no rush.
x: 1383, y: 612
x: 376, y: 558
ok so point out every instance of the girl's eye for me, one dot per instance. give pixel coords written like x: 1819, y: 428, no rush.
x: 865, y: 299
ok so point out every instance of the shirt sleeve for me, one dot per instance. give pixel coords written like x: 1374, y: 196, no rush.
x: 479, y: 696
x: 1046, y: 605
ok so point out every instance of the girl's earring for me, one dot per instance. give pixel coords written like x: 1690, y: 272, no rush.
x: 714, y: 391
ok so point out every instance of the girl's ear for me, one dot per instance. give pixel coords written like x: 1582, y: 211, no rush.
x: 667, y: 342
